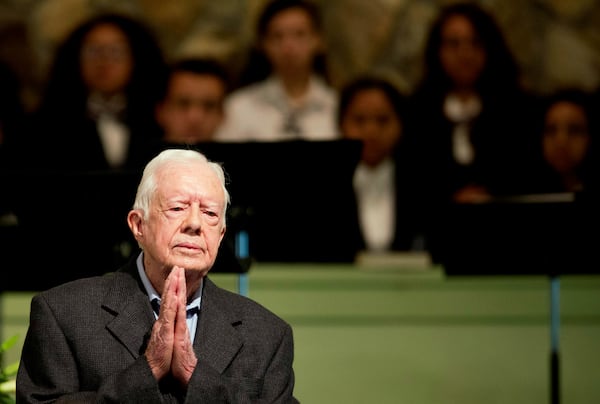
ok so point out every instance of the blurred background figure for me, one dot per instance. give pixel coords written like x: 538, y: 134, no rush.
x: 284, y: 90
x: 191, y: 108
x: 99, y: 100
x: 373, y: 110
x: 568, y: 134
x: 470, y: 119
x: 191, y: 105
x: 471, y: 122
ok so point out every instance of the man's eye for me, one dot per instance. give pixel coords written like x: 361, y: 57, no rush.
x: 177, y: 209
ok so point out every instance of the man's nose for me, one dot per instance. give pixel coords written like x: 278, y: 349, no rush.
x: 193, y: 220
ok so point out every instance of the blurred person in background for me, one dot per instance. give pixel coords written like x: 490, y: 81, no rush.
x: 470, y: 115
x: 284, y: 91
x: 567, y: 142
x: 191, y: 108
x: 373, y: 110
x: 191, y: 105
x: 471, y: 121
x: 98, y: 104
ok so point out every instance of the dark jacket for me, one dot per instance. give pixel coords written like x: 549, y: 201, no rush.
x: 86, y: 341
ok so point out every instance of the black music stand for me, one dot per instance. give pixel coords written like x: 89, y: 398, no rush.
x: 72, y: 225
x: 550, y: 234
x: 297, y: 196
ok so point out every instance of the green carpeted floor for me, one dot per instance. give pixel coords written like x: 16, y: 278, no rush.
x: 391, y: 335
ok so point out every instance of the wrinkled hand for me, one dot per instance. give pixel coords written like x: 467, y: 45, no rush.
x: 170, y: 349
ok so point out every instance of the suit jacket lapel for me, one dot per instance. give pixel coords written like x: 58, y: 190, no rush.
x: 129, y: 304
x: 217, y: 341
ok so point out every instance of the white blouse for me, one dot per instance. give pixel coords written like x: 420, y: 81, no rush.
x: 263, y: 112
x: 376, y: 198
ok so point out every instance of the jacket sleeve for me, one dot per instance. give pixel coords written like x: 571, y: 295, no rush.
x: 277, y: 386
x: 279, y: 379
x: 49, y: 371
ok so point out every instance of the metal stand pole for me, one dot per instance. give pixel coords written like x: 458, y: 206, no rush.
x: 554, y: 339
x: 242, y: 251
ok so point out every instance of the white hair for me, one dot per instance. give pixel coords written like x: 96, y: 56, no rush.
x: 148, y: 184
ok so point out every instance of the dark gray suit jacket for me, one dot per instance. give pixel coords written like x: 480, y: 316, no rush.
x: 86, y: 341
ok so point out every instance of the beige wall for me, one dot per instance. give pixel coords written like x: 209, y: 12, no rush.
x: 556, y: 42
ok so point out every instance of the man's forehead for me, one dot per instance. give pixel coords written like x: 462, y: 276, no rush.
x: 174, y: 178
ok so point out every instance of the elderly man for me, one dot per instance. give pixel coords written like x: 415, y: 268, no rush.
x: 158, y: 330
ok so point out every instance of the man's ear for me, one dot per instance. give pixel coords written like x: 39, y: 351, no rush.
x: 135, y: 220
x: 222, y: 233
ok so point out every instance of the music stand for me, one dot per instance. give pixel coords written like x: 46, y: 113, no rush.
x: 72, y: 225
x: 294, y: 199
x: 549, y: 234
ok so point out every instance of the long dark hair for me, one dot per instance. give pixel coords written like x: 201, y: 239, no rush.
x: 500, y: 73
x: 65, y: 91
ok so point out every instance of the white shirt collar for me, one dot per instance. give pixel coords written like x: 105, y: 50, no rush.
x: 313, y: 100
x: 153, y: 294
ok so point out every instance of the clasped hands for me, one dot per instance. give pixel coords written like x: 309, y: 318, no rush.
x: 169, y: 349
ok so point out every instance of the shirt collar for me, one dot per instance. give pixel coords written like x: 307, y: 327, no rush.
x: 153, y: 294
x: 314, y: 100
x: 380, y: 177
